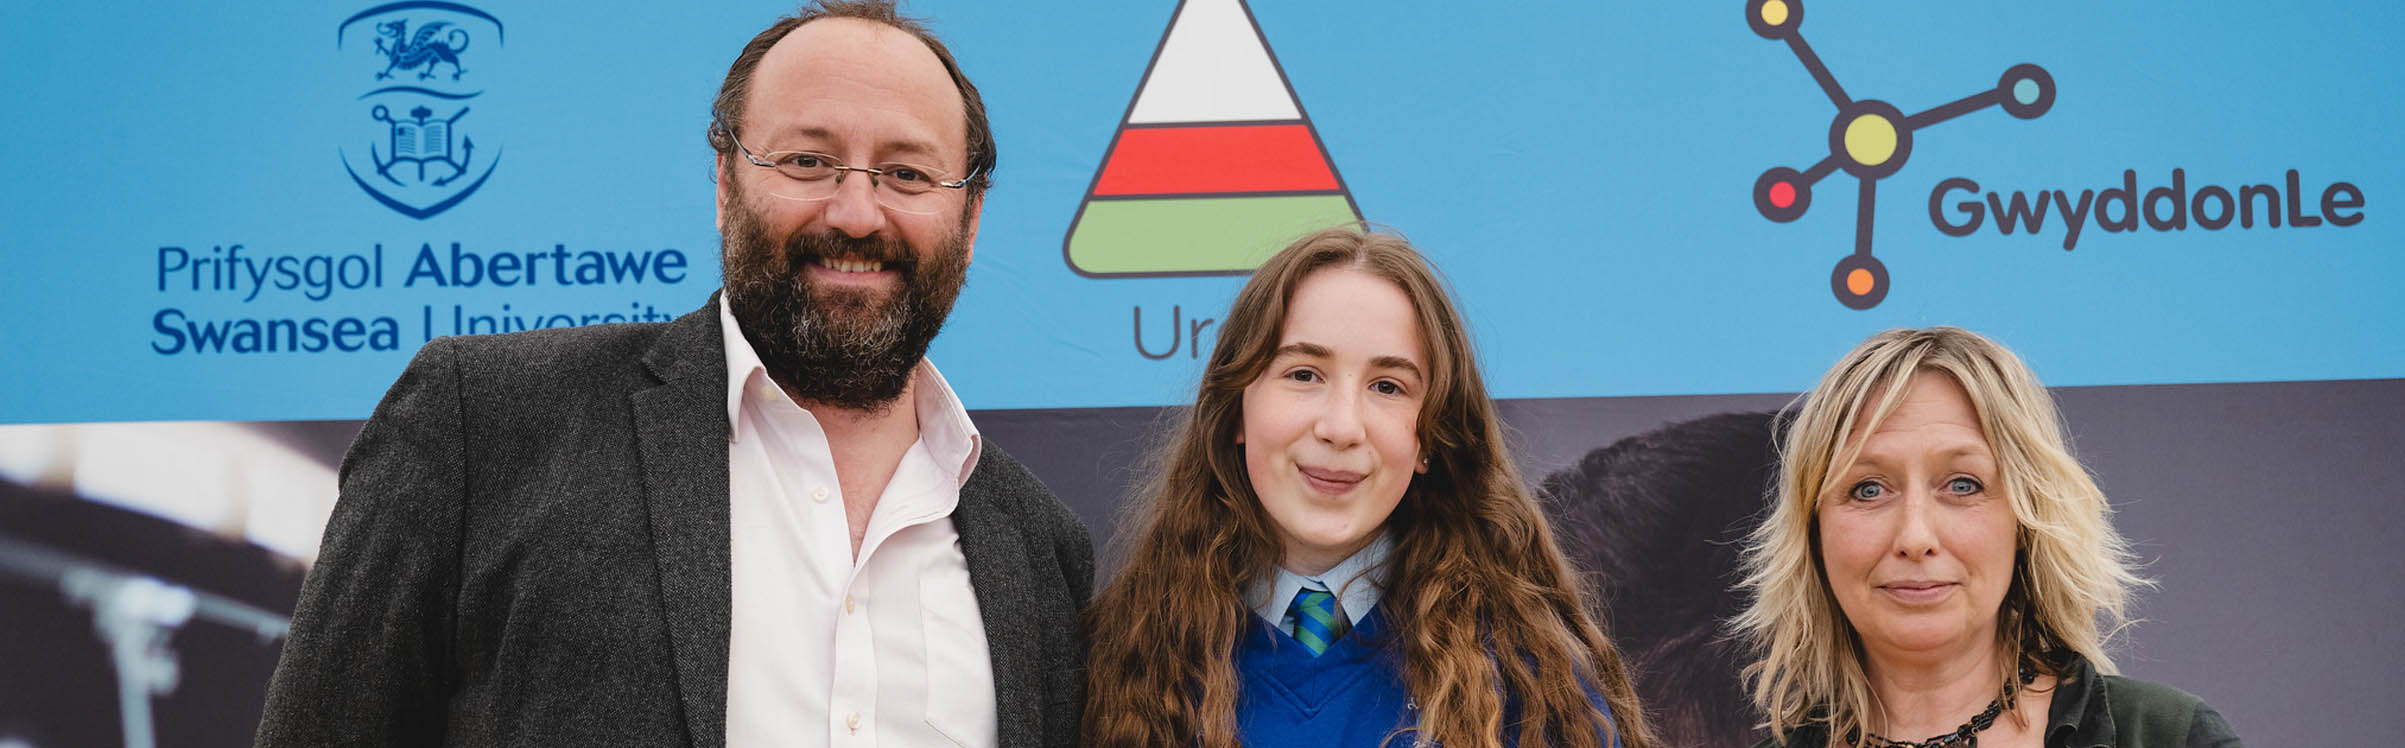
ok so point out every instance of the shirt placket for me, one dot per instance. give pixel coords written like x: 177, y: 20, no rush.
x: 852, y: 696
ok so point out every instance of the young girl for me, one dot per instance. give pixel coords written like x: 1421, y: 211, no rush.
x: 1336, y: 550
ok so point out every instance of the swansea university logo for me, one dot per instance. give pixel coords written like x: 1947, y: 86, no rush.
x: 1870, y: 140
x: 1214, y: 168
x: 413, y: 151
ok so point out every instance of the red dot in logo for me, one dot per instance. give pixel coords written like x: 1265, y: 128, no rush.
x: 1782, y: 195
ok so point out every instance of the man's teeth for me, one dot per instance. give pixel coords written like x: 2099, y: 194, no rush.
x: 852, y: 266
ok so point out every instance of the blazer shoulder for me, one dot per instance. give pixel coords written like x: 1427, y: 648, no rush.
x: 1019, y: 491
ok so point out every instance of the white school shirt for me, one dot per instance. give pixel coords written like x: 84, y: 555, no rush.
x: 826, y: 650
x: 1357, y: 581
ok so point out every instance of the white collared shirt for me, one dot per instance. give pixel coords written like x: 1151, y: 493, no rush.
x: 1357, y: 582
x: 825, y: 649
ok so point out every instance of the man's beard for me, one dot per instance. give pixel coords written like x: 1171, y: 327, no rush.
x: 837, y: 346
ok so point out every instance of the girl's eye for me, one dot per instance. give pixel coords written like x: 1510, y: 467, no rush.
x: 1964, y: 486
x: 1386, y: 387
x: 1866, y: 491
x: 1303, y: 375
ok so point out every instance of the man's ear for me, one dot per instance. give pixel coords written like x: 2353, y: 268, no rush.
x: 969, y: 230
x: 719, y: 174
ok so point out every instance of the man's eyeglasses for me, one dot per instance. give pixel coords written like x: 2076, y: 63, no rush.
x: 815, y: 176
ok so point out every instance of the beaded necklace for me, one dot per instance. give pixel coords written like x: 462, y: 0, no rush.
x: 1965, y: 736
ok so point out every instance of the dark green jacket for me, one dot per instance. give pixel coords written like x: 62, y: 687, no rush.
x: 2110, y: 711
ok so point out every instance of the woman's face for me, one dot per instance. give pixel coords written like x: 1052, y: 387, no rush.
x: 1331, y: 433
x: 1917, y: 539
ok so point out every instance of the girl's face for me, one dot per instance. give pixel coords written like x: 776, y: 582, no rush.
x: 1331, y: 428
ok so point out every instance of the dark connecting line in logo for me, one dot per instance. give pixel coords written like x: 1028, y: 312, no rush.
x: 1870, y: 139
x: 425, y: 137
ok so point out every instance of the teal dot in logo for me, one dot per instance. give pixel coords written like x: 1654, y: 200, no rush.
x: 2025, y: 91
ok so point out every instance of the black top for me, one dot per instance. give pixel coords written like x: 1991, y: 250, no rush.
x: 2092, y: 711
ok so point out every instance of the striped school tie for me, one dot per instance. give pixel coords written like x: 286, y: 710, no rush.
x: 1314, y: 613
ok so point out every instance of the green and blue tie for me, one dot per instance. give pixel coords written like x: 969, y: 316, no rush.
x: 1314, y: 613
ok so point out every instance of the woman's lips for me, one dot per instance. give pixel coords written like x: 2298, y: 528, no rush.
x: 1918, y: 592
x: 1331, y: 482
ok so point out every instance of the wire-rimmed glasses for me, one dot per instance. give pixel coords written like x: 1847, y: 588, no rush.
x: 809, y: 175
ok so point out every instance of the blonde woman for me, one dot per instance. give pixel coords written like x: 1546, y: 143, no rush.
x: 1935, y: 567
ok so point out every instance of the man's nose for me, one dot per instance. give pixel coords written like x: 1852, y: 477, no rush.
x: 853, y: 209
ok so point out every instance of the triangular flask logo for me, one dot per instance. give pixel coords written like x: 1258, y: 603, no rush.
x: 1214, y: 168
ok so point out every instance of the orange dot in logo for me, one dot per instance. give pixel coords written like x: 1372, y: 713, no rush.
x: 1859, y: 282
x: 1782, y: 195
x: 1774, y: 12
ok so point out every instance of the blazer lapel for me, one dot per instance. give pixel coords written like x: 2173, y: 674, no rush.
x: 998, y: 571
x: 682, y: 430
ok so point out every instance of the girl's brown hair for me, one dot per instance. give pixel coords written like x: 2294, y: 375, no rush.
x: 1481, y: 601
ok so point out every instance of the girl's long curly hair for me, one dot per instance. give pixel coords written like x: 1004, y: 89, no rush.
x: 1481, y: 601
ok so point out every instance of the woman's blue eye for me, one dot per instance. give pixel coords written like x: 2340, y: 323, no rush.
x: 1964, y: 486
x: 1866, y: 491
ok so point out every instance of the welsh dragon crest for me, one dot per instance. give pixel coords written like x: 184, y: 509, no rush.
x: 407, y: 52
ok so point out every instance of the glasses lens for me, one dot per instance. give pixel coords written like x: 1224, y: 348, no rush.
x: 910, y: 189
x: 906, y: 179
x: 807, y: 176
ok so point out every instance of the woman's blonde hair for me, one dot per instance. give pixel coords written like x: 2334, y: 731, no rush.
x: 2072, y: 572
x: 1482, y: 603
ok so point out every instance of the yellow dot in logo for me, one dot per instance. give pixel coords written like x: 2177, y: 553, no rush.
x: 1859, y: 282
x: 1870, y: 139
x: 1774, y: 12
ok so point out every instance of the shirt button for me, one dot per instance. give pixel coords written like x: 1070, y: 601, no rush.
x: 819, y: 494
x: 847, y: 603
x: 767, y: 391
x: 853, y: 722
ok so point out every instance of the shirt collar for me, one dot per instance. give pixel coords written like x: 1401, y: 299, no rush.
x: 2078, y: 708
x: 944, y: 426
x: 1358, y: 582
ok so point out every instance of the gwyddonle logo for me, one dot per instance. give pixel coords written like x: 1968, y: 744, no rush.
x: 1870, y: 139
x: 416, y: 148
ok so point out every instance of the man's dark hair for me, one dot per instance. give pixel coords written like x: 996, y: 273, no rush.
x: 726, y: 113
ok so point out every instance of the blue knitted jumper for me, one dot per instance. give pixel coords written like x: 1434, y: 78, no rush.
x: 1350, y: 695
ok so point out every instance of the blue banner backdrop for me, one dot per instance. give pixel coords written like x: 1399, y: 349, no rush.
x: 250, y: 217
x: 1585, y: 173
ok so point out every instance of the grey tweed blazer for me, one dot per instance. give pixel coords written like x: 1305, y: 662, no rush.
x: 531, y: 549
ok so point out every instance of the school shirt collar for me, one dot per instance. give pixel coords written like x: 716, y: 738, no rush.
x: 1358, y: 581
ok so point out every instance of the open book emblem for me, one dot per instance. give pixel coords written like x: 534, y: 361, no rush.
x: 423, y: 142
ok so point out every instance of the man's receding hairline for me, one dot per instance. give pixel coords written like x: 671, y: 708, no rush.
x: 956, y: 96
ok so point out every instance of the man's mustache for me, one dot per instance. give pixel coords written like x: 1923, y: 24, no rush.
x: 835, y: 246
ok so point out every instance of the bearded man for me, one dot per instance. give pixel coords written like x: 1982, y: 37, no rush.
x: 768, y: 522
